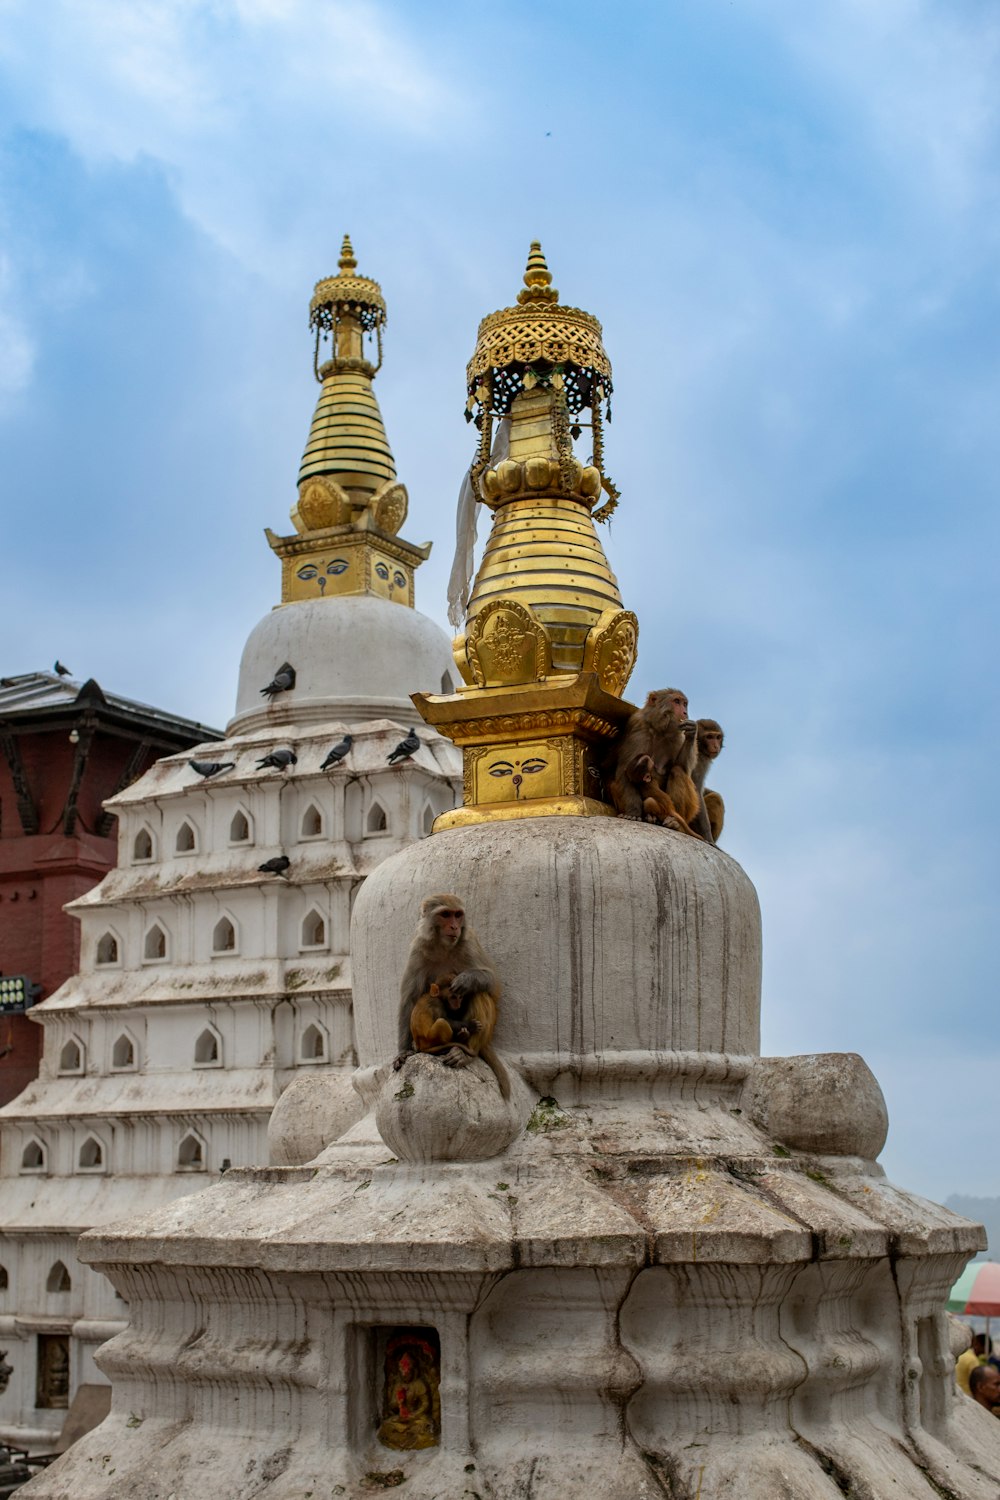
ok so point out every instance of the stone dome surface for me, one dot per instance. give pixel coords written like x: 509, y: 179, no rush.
x: 361, y: 657
x: 609, y: 936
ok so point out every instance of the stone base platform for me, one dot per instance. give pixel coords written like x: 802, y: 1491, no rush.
x: 651, y: 1293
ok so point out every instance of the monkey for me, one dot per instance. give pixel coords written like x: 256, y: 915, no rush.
x: 443, y: 1023
x: 675, y: 808
x: 711, y: 809
x: 445, y: 950
x: 662, y: 732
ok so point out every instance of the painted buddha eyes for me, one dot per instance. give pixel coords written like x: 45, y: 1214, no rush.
x: 526, y: 768
x: 309, y: 571
x: 398, y: 578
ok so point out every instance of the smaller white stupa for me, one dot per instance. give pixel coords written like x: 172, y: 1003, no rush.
x: 215, y: 977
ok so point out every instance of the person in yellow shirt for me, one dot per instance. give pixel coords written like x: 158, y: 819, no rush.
x: 969, y: 1361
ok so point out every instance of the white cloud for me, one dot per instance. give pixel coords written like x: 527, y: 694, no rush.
x: 243, y: 102
x: 920, y: 75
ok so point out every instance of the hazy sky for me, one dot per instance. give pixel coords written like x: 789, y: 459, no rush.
x: 786, y: 217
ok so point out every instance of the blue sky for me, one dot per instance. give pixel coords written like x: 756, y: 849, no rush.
x: 787, y: 218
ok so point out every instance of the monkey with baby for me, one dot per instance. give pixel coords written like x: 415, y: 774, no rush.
x: 449, y: 992
x: 661, y: 765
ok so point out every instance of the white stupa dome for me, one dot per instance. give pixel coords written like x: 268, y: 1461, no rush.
x: 359, y: 658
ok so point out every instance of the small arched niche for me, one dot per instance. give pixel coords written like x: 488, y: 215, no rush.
x: 313, y: 1047
x: 224, y: 936
x: 4, y: 1279
x: 377, y: 821
x: 71, y: 1058
x: 142, y: 847
x: 208, y: 1049
x: 123, y: 1054
x: 191, y: 1154
x: 91, y: 1155
x: 427, y: 820
x: 312, y: 823
x: 154, y: 947
x: 314, y: 931
x: 240, y: 829
x: 33, y: 1157
x: 353, y: 817
x: 447, y: 686
x: 186, y: 841
x: 58, y: 1279
x: 108, y: 951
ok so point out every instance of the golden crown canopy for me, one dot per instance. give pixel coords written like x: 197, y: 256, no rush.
x: 346, y: 295
x: 537, y: 343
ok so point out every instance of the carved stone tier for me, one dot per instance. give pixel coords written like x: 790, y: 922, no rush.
x: 646, y: 1302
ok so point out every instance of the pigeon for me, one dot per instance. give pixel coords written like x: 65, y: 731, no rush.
x: 279, y: 759
x: 283, y: 679
x: 405, y: 748
x: 209, y: 768
x: 276, y: 866
x: 338, y: 753
x: 61, y: 670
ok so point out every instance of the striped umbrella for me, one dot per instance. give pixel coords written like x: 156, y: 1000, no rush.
x: 977, y: 1290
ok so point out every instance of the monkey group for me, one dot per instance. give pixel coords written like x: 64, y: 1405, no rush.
x: 661, y: 765
x: 449, y: 992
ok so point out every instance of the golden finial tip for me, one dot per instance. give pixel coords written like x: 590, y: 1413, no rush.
x: 348, y: 261
x: 537, y: 272
x: 537, y: 278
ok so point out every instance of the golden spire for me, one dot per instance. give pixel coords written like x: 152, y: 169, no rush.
x: 542, y: 366
x: 347, y: 261
x: 350, y: 504
x: 537, y: 278
x: 548, y: 648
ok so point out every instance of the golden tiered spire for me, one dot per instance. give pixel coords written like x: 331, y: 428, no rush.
x: 547, y: 649
x: 350, y: 505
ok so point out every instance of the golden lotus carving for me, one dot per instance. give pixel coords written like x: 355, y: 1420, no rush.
x: 611, y: 649
x: 388, y: 507
x: 322, y: 503
x: 505, y: 646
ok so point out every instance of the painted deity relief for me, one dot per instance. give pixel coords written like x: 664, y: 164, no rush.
x: 411, y: 1401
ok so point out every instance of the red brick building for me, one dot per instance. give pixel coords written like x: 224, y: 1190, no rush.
x: 63, y: 749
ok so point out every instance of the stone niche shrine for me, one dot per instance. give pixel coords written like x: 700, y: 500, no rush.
x: 663, y: 1266
x: 213, y: 1003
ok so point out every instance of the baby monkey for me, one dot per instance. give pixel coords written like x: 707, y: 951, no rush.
x: 457, y: 1027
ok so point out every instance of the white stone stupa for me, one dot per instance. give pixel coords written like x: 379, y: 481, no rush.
x: 211, y: 989
x: 666, y: 1267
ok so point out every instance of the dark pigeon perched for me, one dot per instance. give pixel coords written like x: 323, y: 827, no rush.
x: 405, y: 748
x: 283, y: 679
x: 338, y: 753
x: 209, y: 768
x: 280, y: 760
x: 276, y: 866
x: 62, y: 671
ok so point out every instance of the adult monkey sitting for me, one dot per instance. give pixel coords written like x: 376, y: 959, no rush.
x: 712, y: 809
x: 662, y: 732
x: 444, y: 951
